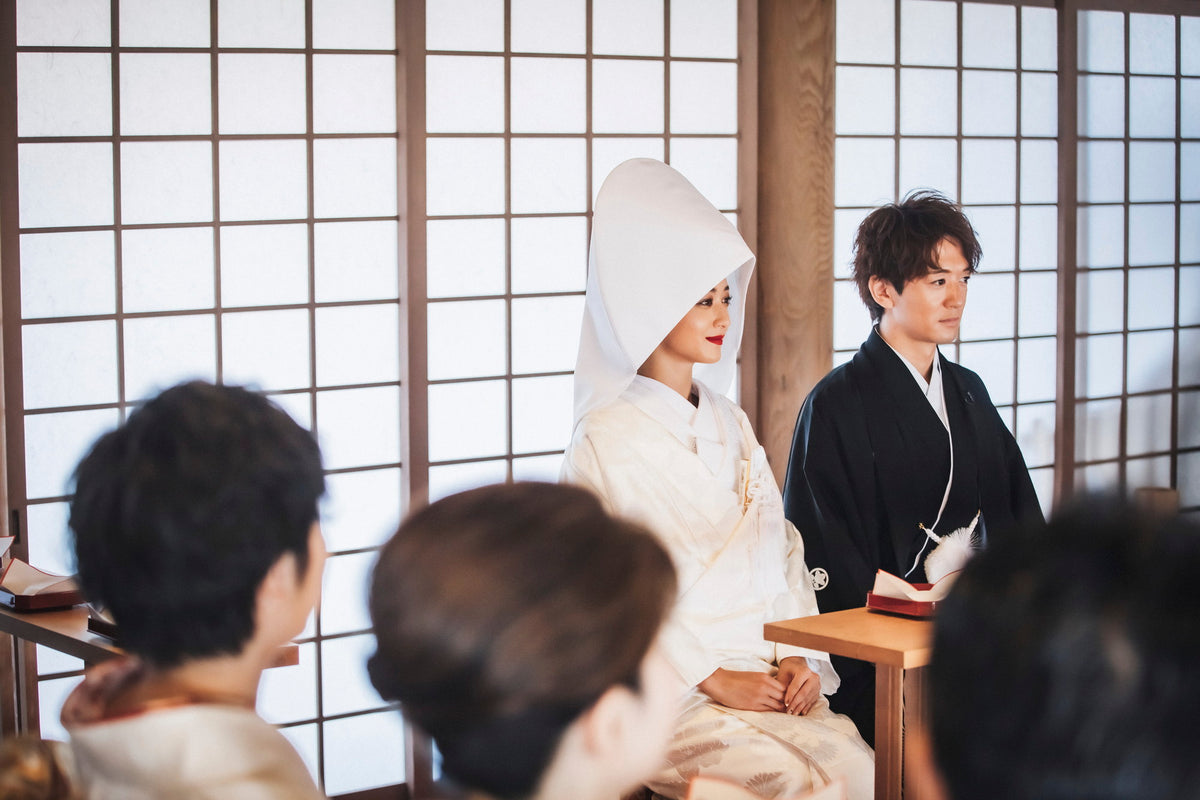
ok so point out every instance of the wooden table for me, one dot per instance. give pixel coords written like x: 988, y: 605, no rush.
x: 65, y: 631
x: 894, y: 645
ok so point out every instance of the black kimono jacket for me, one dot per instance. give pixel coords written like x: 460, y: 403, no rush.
x: 869, y: 464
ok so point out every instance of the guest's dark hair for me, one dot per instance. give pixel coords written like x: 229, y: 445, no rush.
x: 1065, y: 662
x: 502, y: 613
x: 179, y: 513
x: 899, y: 242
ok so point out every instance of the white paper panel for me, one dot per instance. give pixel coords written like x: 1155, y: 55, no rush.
x: 354, y: 93
x: 1152, y: 171
x: 1097, y: 427
x: 67, y: 274
x: 1189, y: 296
x: 266, y: 349
x: 1189, y: 56
x: 549, y: 254
x: 994, y: 363
x: 163, y: 351
x: 871, y: 39
x: 1141, y: 472
x: 167, y: 269
x: 928, y: 101
x: 711, y: 166
x: 355, y: 177
x: 1037, y: 361
x: 1100, y: 235
x: 343, y: 595
x: 851, y: 320
x: 262, y: 93
x: 65, y: 184
x: 358, y: 344
x: 1152, y: 107
x: 466, y: 339
x: 1039, y: 104
x: 928, y: 33
x: 304, y: 739
x: 64, y: 94
x: 1100, y: 301
x: 1099, y: 360
x: 464, y: 176
x: 464, y: 257
x: 1039, y: 171
x: 1151, y: 235
x: 704, y: 97
x: 153, y: 23
x: 1189, y: 171
x: 166, y: 182
x: 627, y: 96
x: 548, y: 26
x: 260, y: 23
x: 1189, y: 365
x: 1189, y: 233
x: 264, y: 179
x: 1035, y: 433
x: 1189, y: 417
x: 357, y: 261
x: 989, y: 36
x: 538, y: 468
x: 542, y: 413
x: 345, y: 687
x: 863, y: 176
x: 866, y: 100
x: 549, y: 95
x: 989, y: 103
x: 548, y: 175
x: 546, y: 334
x: 51, y: 696
x: 361, y: 509
x: 465, y: 94
x: 465, y: 25
x: 991, y: 307
x: 704, y: 28
x: 627, y: 27
x: 72, y: 23
x: 1101, y: 106
x: 55, y: 443
x: 929, y: 164
x: 50, y: 548
x: 1152, y: 44
x: 360, y: 752
x: 264, y: 265
x: 69, y: 363
x: 165, y: 93
x: 453, y: 478
x: 1148, y: 427
x: 845, y: 227
x: 989, y: 171
x: 1150, y: 354
x: 1039, y: 237
x: 354, y: 24
x: 1101, y: 41
x: 484, y: 407
x: 1101, y: 172
x: 287, y: 695
x: 1038, y: 293
x: 359, y: 427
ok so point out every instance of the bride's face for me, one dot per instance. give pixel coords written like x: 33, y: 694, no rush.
x: 699, y: 336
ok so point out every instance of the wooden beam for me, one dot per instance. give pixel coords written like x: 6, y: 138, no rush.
x: 795, y: 213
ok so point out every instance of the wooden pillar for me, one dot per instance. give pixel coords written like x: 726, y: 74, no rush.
x: 795, y: 213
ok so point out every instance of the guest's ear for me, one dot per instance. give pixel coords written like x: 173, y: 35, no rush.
x: 608, y: 726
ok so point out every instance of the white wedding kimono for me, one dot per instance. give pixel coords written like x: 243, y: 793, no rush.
x: 698, y: 478
x: 704, y: 486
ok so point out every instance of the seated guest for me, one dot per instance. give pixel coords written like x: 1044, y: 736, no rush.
x: 900, y: 446
x: 1065, y: 662
x: 665, y: 297
x: 195, y: 524
x: 515, y: 625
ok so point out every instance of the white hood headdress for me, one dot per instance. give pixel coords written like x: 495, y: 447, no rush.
x: 658, y: 246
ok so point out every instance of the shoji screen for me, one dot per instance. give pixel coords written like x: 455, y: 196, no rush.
x: 209, y: 189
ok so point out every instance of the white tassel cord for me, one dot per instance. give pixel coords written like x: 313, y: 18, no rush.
x: 953, y: 551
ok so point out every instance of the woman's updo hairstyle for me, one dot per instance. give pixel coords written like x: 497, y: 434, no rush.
x: 504, y: 612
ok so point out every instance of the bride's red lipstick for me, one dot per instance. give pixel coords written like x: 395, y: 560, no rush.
x: 716, y: 339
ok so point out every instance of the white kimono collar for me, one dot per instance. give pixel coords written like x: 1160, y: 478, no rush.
x: 657, y: 247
